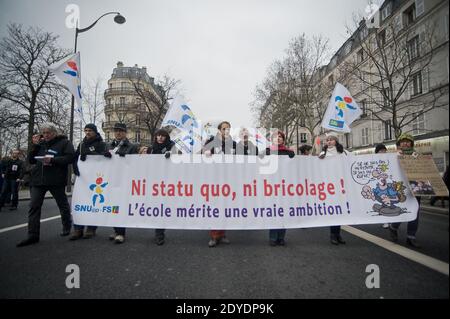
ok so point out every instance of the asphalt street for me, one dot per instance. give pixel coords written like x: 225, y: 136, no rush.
x: 308, y: 267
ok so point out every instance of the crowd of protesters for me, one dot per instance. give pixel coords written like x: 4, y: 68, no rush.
x: 51, y: 155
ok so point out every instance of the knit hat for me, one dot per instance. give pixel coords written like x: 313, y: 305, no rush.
x: 332, y: 135
x: 405, y: 136
x: 379, y: 148
x: 91, y: 126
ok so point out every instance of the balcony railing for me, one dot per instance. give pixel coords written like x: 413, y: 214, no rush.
x: 124, y: 90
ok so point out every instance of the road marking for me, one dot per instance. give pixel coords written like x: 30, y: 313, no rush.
x: 4, y: 230
x: 410, y: 254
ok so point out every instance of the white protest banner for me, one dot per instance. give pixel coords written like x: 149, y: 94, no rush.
x: 241, y: 192
x: 69, y: 72
x: 342, y: 110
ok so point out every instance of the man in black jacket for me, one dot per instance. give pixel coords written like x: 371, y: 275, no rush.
x: 120, y: 146
x: 52, y: 154
x: 92, y: 144
x: 12, y: 173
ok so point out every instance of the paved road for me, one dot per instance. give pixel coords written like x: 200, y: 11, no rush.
x: 309, y: 267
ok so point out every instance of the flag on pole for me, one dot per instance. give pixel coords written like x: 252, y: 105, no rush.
x: 188, y: 134
x: 342, y: 110
x: 180, y: 115
x: 69, y: 72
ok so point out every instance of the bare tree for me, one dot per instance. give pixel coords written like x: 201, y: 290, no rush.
x: 93, y: 108
x: 293, y: 93
x: 393, y: 63
x: 155, y: 98
x: 24, y: 58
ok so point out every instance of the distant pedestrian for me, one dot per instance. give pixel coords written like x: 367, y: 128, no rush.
x: 12, y: 173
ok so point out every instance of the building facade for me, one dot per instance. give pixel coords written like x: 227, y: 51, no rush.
x: 124, y: 104
x: 420, y: 29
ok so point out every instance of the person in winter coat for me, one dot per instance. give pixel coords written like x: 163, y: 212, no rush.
x: 245, y: 146
x: 162, y: 144
x: 278, y: 147
x: 92, y: 144
x: 52, y: 154
x: 333, y: 148
x: 120, y: 146
x: 222, y: 143
x: 12, y: 172
x: 405, y: 146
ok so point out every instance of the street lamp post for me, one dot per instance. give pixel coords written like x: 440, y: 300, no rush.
x: 119, y: 19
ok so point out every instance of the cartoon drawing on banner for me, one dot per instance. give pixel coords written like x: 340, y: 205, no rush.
x: 380, y: 187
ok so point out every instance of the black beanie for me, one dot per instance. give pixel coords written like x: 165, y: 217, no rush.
x: 380, y: 147
x: 91, y: 127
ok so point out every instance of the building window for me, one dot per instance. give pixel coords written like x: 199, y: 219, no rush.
x: 386, y: 12
x: 138, y: 119
x: 110, y: 85
x: 108, y: 118
x: 418, y: 125
x: 409, y: 15
x: 386, y: 97
x: 107, y: 136
x: 382, y: 38
x: 364, y: 108
x: 417, y: 83
x: 137, y: 138
x: 302, y: 122
x: 122, y: 101
x: 365, y: 136
x: 331, y: 79
x: 413, y: 48
x: 387, y: 130
x: 303, y: 138
x: 360, y: 56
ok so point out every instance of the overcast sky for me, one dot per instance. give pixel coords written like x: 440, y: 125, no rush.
x: 219, y: 49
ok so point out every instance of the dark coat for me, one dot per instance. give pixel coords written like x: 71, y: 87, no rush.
x: 246, y: 149
x: 95, y: 146
x: 126, y: 147
x: 13, y: 169
x: 287, y: 152
x: 217, y: 145
x: 161, y: 148
x: 56, y: 173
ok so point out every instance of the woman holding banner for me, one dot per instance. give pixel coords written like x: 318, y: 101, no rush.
x: 162, y: 144
x: 331, y: 148
x: 278, y: 147
x: 222, y: 143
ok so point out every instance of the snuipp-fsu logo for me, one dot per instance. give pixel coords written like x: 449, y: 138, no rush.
x: 98, y: 199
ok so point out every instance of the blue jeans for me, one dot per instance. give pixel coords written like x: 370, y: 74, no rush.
x: 10, y: 187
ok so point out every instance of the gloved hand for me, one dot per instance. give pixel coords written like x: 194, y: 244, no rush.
x: 291, y: 155
x: 121, y: 154
x: 83, y: 157
x: 167, y: 155
x: 107, y: 154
